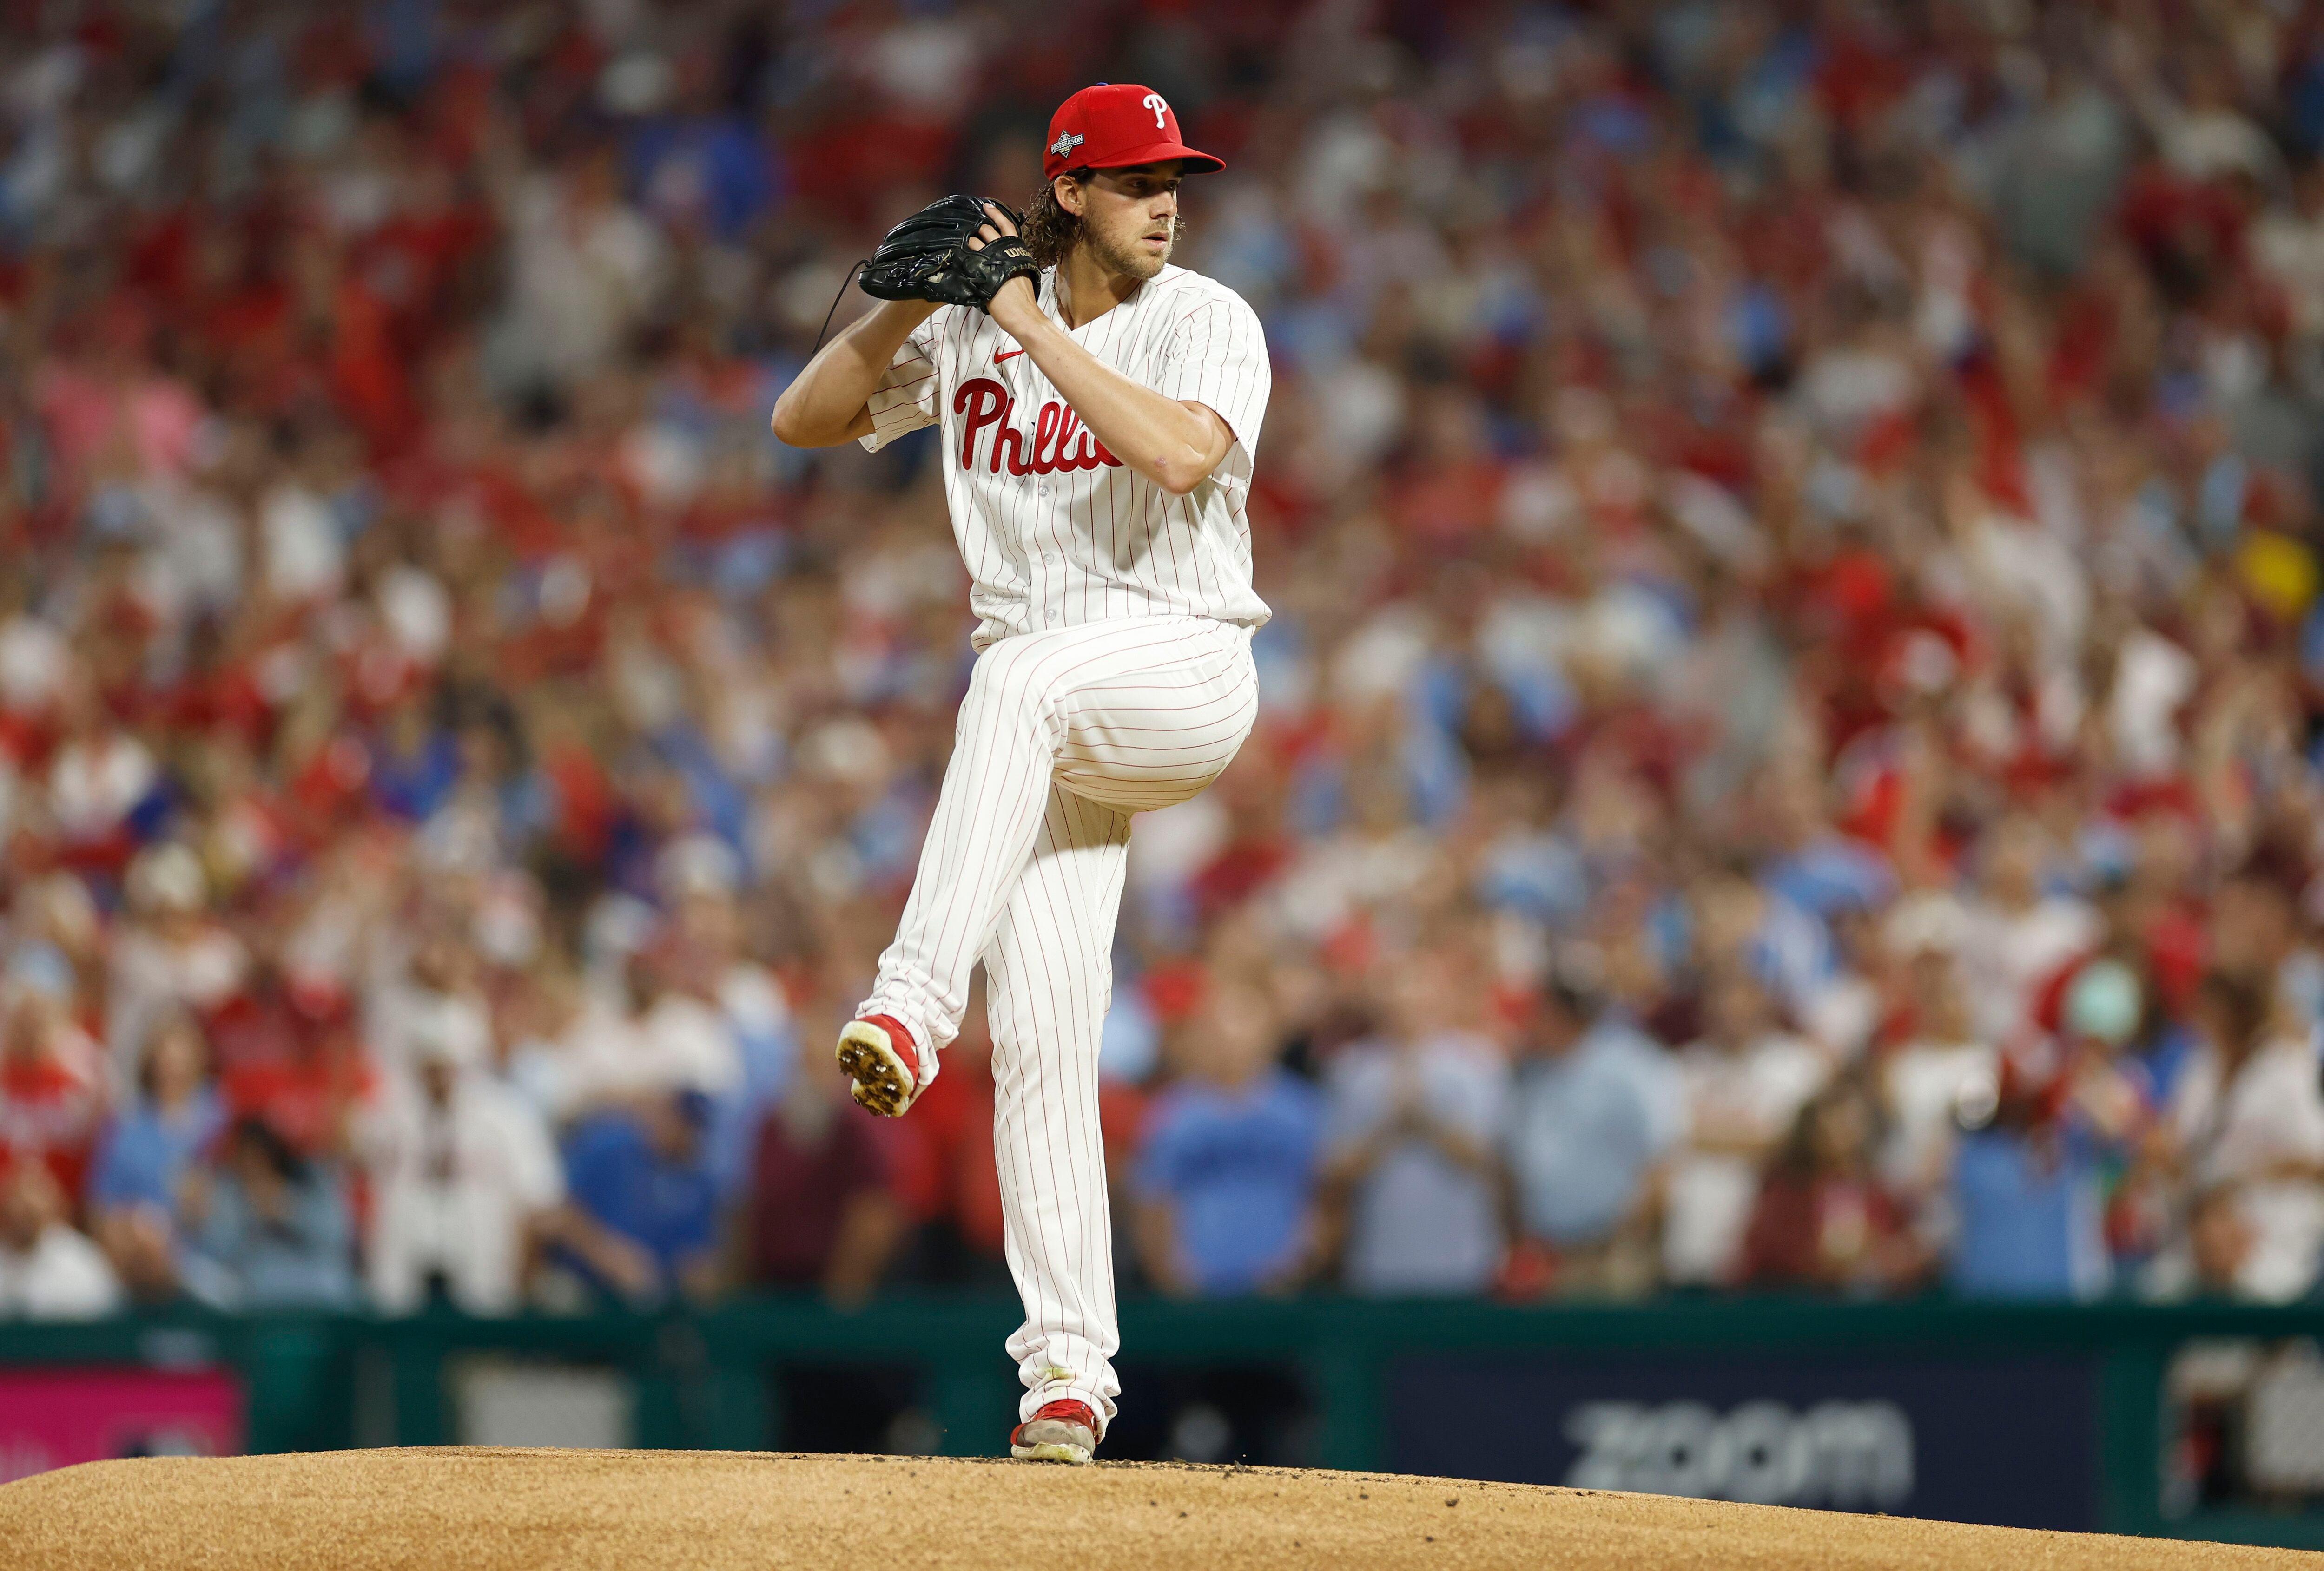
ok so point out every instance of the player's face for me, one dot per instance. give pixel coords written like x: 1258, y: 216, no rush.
x: 1129, y: 217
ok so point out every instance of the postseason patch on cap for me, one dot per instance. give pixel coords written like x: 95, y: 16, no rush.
x: 1067, y: 142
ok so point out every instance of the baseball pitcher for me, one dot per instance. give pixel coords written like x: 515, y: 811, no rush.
x: 1100, y: 410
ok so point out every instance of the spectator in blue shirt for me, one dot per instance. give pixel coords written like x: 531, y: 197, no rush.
x: 1597, y: 1106
x: 702, y: 169
x: 1814, y: 867
x: 2029, y: 1189
x: 2031, y: 1215
x: 415, y: 762
x: 1412, y: 1181
x: 640, y: 1223
x: 1225, y: 1177
x: 268, y: 1229
x: 144, y: 1154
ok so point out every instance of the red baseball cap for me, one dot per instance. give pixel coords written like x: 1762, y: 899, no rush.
x: 1114, y: 126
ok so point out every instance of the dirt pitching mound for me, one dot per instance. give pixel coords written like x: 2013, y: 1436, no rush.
x: 477, y: 1510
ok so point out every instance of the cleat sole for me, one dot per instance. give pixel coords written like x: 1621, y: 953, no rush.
x: 1052, y: 1440
x: 882, y: 1084
x: 1052, y: 1451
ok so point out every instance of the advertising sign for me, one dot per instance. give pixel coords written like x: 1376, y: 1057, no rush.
x: 2006, y: 1440
x: 54, y: 1418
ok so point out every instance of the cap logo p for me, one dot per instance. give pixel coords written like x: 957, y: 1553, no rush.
x: 1154, y: 101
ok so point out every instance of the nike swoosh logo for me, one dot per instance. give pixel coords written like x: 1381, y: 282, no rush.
x: 1001, y: 354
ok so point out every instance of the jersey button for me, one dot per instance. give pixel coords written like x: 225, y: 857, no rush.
x: 1053, y: 618
x: 1049, y: 557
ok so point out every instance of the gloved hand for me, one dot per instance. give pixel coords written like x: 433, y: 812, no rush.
x: 927, y: 257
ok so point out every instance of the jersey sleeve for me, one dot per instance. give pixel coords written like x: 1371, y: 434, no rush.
x: 906, y: 399
x: 1216, y: 356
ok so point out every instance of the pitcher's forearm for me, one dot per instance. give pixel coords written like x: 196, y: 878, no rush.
x: 828, y: 402
x: 1173, y: 444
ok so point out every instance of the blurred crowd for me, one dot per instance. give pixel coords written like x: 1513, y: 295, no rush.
x: 1789, y: 755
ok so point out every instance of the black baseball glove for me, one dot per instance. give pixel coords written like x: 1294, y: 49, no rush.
x: 927, y: 257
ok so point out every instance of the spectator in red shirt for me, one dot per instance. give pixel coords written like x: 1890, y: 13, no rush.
x: 945, y: 1174
x: 822, y: 1215
x: 1823, y: 1219
x: 51, y: 1087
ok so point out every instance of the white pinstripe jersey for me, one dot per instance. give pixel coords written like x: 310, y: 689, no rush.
x: 1056, y: 531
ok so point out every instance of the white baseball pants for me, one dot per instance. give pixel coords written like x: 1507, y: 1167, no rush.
x: 1064, y: 735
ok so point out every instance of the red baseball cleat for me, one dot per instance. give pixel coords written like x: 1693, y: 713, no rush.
x: 1064, y: 1431
x: 888, y: 1067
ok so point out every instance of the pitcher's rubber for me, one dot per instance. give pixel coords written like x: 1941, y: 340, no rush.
x: 455, y: 1510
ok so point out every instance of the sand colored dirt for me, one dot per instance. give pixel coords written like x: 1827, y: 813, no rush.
x: 454, y: 1510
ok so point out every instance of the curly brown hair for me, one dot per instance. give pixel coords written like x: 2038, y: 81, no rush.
x: 1049, y: 232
